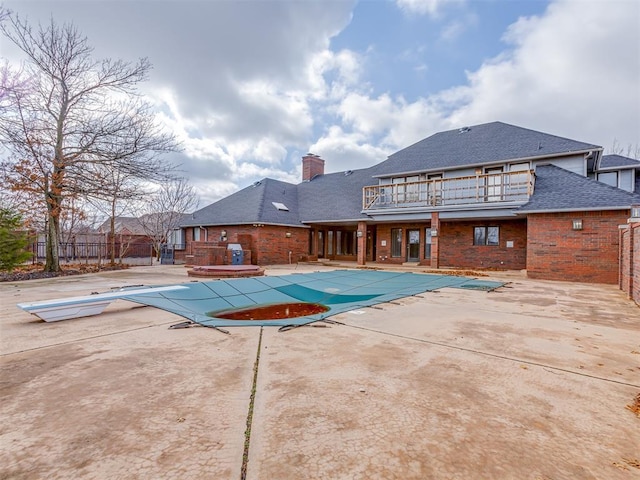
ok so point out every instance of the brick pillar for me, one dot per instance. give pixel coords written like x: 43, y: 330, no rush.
x: 362, y: 243
x: 435, y: 241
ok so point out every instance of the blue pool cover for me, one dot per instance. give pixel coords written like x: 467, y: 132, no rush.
x: 338, y: 290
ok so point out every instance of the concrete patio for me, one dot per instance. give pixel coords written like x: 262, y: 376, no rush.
x: 531, y: 381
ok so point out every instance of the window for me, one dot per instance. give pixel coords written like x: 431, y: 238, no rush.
x: 406, y: 188
x: 175, y: 239
x: 434, y: 189
x: 493, y: 184
x: 346, y: 242
x: 610, y: 178
x: 486, y: 235
x: 517, y: 184
x: 428, y: 242
x: 196, y: 234
x: 396, y: 242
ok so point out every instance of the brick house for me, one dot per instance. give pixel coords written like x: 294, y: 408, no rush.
x: 488, y: 196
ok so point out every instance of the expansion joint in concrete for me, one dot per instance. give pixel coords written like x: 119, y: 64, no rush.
x: 252, y: 397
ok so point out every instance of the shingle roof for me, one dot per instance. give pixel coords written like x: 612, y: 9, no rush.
x: 335, y: 196
x: 252, y: 204
x: 129, y: 225
x: 614, y: 161
x: 557, y: 189
x: 481, y: 144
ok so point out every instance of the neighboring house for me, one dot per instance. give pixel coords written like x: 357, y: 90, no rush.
x: 126, y: 226
x: 492, y: 196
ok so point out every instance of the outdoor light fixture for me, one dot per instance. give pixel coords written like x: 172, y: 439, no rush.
x: 434, y: 232
x: 288, y: 234
x: 223, y: 233
x: 635, y: 211
x: 360, y: 234
x: 577, y: 224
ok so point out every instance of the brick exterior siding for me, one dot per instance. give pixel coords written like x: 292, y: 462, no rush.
x: 263, y: 245
x: 630, y: 261
x: 456, y: 248
x: 557, y: 252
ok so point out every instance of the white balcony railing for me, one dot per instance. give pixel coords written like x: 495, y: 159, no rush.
x: 477, y: 189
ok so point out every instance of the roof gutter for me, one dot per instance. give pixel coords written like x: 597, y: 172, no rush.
x: 577, y: 209
x: 255, y: 224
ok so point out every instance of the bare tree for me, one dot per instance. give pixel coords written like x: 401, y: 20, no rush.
x: 165, y: 208
x: 76, y: 112
x: 630, y: 151
x: 120, y: 191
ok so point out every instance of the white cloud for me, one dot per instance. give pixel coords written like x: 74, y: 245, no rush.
x: 573, y: 71
x: 347, y: 151
x: 247, y: 102
x: 425, y: 7
x: 455, y: 28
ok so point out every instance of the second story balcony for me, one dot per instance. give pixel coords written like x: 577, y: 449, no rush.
x: 494, y: 188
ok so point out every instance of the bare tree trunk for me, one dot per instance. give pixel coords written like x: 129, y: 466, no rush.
x: 52, y: 261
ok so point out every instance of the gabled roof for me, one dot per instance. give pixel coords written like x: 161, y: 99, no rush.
x: 477, y: 145
x: 253, y: 204
x: 558, y: 190
x: 123, y: 225
x: 618, y: 161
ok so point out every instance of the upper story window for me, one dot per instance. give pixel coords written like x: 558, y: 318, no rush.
x: 406, y: 188
x: 610, y: 178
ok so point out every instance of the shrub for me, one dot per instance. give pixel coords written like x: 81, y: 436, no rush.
x: 13, y: 241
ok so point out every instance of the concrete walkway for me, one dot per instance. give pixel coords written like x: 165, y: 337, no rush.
x: 529, y: 382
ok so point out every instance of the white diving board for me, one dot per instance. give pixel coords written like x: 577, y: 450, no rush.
x: 85, y: 306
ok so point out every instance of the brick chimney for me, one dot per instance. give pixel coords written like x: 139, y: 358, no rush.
x: 312, y: 165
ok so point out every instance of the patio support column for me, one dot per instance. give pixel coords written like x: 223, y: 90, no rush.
x: 435, y: 241
x: 362, y: 242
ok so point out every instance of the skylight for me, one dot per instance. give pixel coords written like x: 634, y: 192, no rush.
x: 280, y: 206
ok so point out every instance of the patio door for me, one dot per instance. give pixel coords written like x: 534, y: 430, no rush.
x: 413, y: 245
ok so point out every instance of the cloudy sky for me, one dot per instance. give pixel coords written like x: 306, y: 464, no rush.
x: 250, y: 86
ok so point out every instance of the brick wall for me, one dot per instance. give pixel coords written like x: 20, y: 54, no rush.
x: 557, y: 252
x: 457, y: 248
x: 272, y: 246
x: 264, y: 245
x: 630, y: 261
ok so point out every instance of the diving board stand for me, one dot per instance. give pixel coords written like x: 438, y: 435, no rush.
x: 88, y: 305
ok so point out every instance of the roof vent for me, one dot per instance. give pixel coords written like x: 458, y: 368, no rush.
x: 256, y: 184
x: 280, y: 206
x: 464, y: 130
x: 348, y: 172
